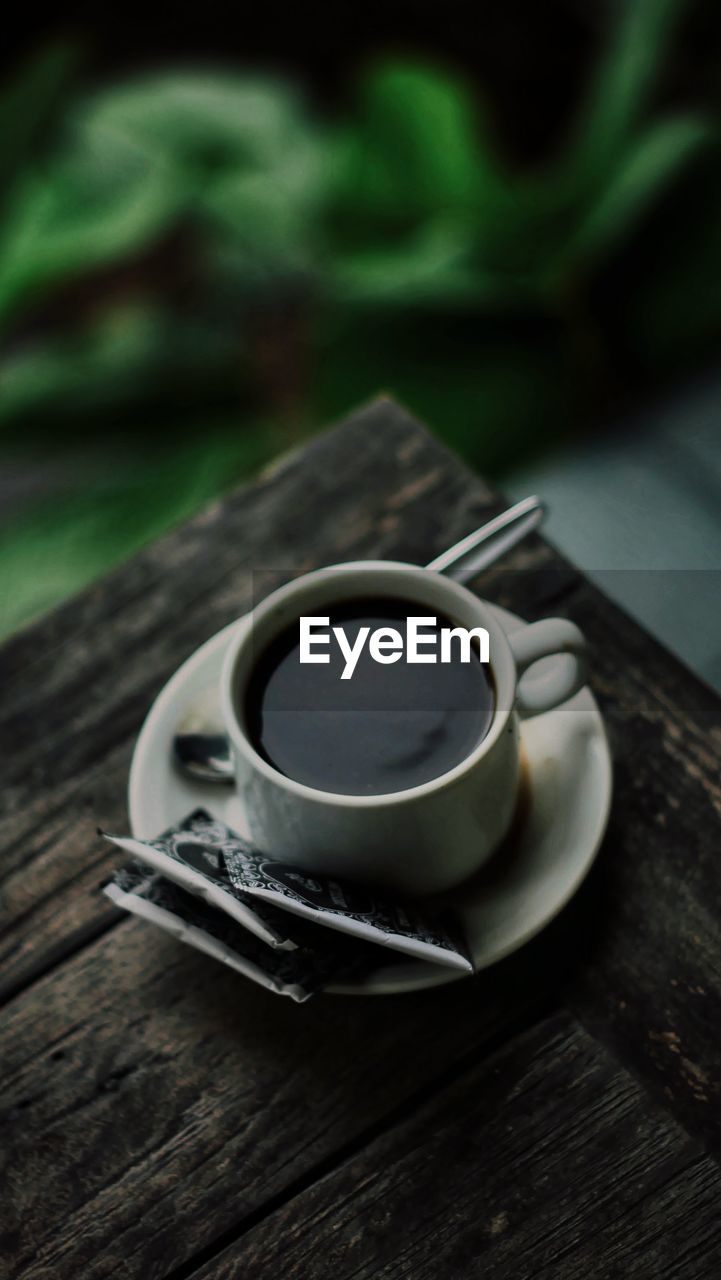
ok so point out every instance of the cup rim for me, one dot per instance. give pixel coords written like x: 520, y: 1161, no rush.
x: 502, y: 664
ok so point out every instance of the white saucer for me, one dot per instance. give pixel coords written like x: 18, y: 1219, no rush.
x: 508, y: 902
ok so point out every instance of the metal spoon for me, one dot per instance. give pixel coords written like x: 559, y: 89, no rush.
x: 482, y: 548
x: 200, y: 746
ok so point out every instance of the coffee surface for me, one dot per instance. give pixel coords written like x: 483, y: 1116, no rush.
x: 387, y: 728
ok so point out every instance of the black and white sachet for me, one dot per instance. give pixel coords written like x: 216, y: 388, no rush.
x: 191, y: 856
x: 273, y: 899
x: 298, y: 973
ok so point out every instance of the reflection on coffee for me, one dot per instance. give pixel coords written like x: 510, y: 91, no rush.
x: 389, y: 728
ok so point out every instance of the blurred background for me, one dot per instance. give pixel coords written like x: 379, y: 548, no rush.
x: 220, y: 231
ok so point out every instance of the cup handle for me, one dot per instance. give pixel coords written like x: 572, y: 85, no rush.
x: 546, y: 690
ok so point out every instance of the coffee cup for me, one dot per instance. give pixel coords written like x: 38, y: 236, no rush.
x: 425, y: 838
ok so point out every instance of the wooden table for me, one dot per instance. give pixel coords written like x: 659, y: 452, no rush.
x: 557, y: 1116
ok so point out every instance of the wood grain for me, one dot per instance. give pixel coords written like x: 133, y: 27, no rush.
x: 546, y: 1161
x: 151, y: 1099
x: 156, y: 1109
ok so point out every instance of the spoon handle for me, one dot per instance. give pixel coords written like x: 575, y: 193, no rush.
x: 486, y: 545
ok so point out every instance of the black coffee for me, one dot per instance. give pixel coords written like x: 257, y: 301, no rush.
x: 387, y: 727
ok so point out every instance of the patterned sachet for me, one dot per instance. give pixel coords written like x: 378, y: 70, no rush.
x: 272, y: 899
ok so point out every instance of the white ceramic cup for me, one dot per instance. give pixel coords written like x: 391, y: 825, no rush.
x: 429, y: 837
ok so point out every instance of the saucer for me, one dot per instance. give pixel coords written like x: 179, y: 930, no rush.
x: 507, y: 902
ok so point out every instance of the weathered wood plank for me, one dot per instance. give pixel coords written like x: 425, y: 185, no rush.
x: 141, y: 1078
x: 652, y: 984
x: 545, y: 1162
x: 151, y: 1100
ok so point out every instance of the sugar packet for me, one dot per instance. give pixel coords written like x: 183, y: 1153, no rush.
x: 205, y: 857
x: 297, y: 974
x: 191, y: 855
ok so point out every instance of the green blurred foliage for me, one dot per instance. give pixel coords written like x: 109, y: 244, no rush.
x: 109, y: 507
x: 190, y: 249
